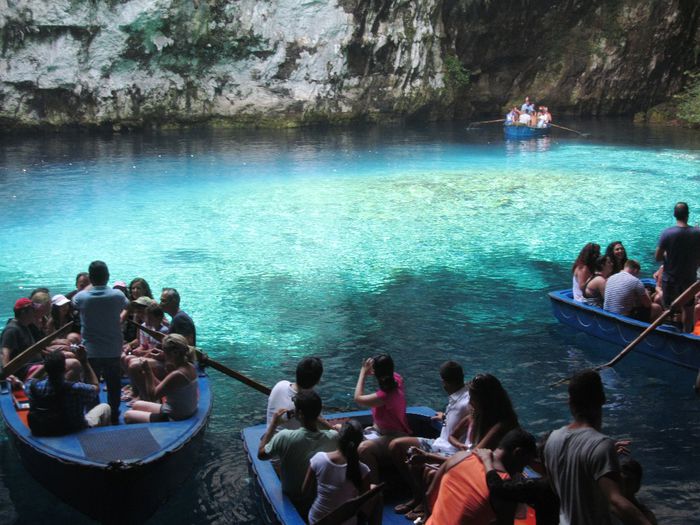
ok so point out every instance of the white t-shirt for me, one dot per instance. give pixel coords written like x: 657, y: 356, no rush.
x: 457, y: 409
x: 332, y: 487
x: 281, y: 396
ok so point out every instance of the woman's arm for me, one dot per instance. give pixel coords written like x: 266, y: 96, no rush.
x: 362, y: 399
x: 493, y: 436
x: 173, y: 381
x: 460, y: 429
x: 582, y: 275
x: 308, y: 488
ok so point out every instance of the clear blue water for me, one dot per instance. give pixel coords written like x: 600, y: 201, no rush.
x: 428, y: 243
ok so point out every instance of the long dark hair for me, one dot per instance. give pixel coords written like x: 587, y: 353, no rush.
x: 491, y: 405
x: 587, y: 256
x: 348, y: 441
x: 146, y: 289
x: 383, y: 366
x: 610, y: 252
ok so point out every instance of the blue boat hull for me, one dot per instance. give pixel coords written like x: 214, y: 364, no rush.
x: 115, y: 474
x: 525, y: 132
x: 665, y: 343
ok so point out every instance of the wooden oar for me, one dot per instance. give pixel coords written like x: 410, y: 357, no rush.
x: 569, y: 129
x: 25, y: 357
x: 206, y: 360
x: 678, y: 303
x: 485, y: 122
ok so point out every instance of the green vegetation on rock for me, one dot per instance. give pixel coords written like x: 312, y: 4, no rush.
x: 457, y: 76
x: 689, y: 101
x: 188, y: 39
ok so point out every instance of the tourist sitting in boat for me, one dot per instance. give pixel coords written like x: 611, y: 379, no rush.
x: 388, y: 406
x: 593, y: 289
x: 583, y: 268
x: 139, y: 292
x: 61, y: 313
x: 17, y: 336
x: 626, y: 295
x: 512, y: 116
x: 491, y: 417
x: 295, y: 448
x: 145, y: 348
x: 180, y: 322
x: 616, y: 251
x: 308, y: 374
x: 338, y: 476
x: 457, y: 409
x: 58, y: 407
x: 534, y: 491
x: 542, y: 117
x: 459, y: 493
x: 179, y: 387
x: 524, y: 118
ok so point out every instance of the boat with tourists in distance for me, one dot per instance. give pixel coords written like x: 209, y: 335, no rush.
x: 520, y: 131
x: 277, y: 508
x: 666, y: 343
x: 114, y: 474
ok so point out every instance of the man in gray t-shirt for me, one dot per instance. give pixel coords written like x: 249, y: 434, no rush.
x: 582, y: 463
x: 100, y: 307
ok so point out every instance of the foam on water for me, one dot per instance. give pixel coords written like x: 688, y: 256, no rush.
x: 427, y: 244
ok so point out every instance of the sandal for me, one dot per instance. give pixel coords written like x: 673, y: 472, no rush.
x: 403, y: 508
x: 414, y: 515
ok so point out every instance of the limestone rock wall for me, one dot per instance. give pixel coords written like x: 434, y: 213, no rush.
x: 289, y: 62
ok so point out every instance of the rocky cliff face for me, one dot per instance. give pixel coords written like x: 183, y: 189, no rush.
x: 286, y: 62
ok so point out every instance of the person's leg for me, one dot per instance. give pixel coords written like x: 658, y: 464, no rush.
x: 398, y: 450
x: 74, y: 370
x: 369, y: 455
x: 112, y: 373
x: 99, y: 416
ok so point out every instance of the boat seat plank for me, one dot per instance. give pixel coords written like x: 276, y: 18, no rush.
x: 126, y: 444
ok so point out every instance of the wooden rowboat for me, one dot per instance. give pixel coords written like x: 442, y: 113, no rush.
x: 115, y: 474
x: 277, y: 509
x: 517, y: 131
x: 666, y: 343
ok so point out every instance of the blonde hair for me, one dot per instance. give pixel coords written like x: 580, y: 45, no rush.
x: 176, y: 344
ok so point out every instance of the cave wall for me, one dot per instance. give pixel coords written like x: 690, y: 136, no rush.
x: 291, y: 62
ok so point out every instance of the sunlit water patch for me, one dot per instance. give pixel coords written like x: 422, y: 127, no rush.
x: 428, y: 244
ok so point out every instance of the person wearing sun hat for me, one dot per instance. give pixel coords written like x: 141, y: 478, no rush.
x: 61, y: 312
x: 17, y: 336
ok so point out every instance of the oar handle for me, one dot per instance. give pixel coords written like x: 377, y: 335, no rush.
x: 26, y: 356
x: 487, y: 121
x: 206, y: 360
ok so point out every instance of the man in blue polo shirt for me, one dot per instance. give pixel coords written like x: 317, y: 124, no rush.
x: 101, y: 331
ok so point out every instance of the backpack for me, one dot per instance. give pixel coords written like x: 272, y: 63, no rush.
x: 46, y: 415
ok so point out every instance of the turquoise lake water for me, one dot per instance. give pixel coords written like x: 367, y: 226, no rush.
x: 428, y: 244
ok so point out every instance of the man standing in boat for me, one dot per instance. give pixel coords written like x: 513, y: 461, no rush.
x: 679, y: 249
x: 100, y: 308
x: 582, y: 462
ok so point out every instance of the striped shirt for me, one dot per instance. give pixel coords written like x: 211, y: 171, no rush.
x: 623, y: 293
